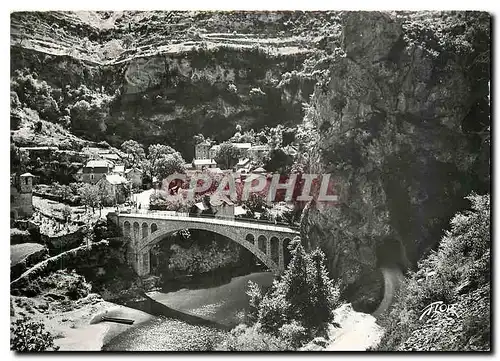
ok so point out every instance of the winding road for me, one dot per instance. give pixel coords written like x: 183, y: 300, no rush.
x: 392, y: 278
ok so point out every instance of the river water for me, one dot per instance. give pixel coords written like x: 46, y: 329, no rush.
x: 189, y: 319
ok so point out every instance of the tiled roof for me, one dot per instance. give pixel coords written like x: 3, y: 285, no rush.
x: 260, y: 147
x: 111, y: 156
x: 242, y: 145
x: 133, y: 169
x: 116, y: 179
x: 99, y: 163
x: 203, y: 161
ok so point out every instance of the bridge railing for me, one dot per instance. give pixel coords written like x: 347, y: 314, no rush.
x: 158, y: 213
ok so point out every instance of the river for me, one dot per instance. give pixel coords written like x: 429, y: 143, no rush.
x: 189, y: 319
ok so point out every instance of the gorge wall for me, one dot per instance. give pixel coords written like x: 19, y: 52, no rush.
x: 166, y: 76
x: 402, y: 124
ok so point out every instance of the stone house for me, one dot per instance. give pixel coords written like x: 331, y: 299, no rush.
x: 134, y: 176
x: 95, y: 170
x: 119, y: 169
x: 115, y: 189
x: 223, y: 207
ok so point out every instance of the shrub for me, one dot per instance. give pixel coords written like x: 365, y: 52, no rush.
x: 19, y: 236
x: 294, y: 333
x: 244, y: 338
x: 255, y: 294
x: 30, y: 336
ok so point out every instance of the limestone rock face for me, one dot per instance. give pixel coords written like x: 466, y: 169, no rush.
x: 165, y: 76
x: 393, y: 127
x: 370, y: 36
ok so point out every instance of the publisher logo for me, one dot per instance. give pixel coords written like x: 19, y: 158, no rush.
x: 437, y: 309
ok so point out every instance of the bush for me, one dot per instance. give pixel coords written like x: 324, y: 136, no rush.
x: 30, y: 336
x: 294, y: 333
x: 18, y: 236
x: 255, y: 294
x: 244, y: 338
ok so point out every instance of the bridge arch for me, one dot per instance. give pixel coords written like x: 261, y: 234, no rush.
x: 274, y: 248
x: 144, y: 230
x: 157, y: 236
x: 261, y: 243
x: 126, y: 228
x: 136, y: 232
x: 250, y: 238
x: 287, y: 255
x: 154, y: 227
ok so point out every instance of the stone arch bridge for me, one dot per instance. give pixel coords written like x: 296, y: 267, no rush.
x: 265, y: 241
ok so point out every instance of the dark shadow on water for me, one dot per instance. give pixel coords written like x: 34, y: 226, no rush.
x: 215, y: 278
x: 155, y: 308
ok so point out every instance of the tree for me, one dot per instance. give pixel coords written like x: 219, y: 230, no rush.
x: 169, y: 164
x: 66, y: 213
x: 255, y: 294
x: 198, y: 138
x: 227, y: 155
x: 305, y: 296
x: 278, y: 161
x: 65, y: 192
x: 30, y: 336
x: 162, y: 161
x: 324, y: 295
x: 134, y: 150
x: 90, y: 196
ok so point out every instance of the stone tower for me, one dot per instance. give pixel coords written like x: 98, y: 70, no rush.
x: 26, y: 183
x: 21, y: 197
x: 201, y: 150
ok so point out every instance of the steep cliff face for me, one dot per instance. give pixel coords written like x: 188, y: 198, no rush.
x: 403, y: 127
x: 166, y: 76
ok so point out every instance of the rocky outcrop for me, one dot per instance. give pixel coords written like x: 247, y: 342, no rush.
x: 161, y: 77
x: 393, y: 126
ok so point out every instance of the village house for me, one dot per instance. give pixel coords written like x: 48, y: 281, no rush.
x: 212, y: 152
x: 257, y: 152
x: 95, y: 170
x: 21, y: 196
x: 115, y: 189
x: 119, y: 169
x: 222, y: 206
x: 243, y: 147
x: 134, y: 176
x: 112, y: 157
x: 200, y: 164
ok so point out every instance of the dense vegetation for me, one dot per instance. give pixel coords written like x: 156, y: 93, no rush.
x: 458, y: 273
x: 30, y: 336
x: 296, y: 309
